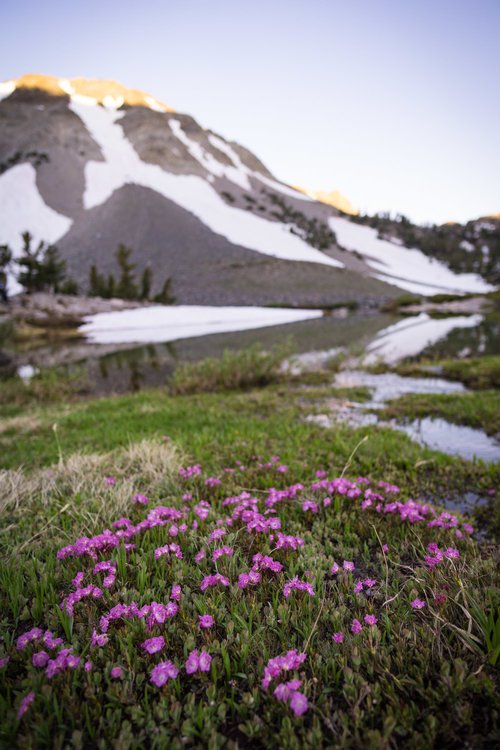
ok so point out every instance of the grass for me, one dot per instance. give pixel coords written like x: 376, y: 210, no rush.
x: 232, y: 371
x: 417, y: 679
x: 480, y: 410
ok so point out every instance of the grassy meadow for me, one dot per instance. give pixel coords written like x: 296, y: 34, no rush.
x: 198, y: 566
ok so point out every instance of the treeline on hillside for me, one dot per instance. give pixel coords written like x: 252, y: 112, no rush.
x: 466, y: 248
x: 125, y: 284
x: 40, y: 268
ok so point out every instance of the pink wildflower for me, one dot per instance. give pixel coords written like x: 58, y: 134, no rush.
x: 110, y: 481
x: 335, y: 568
x: 117, y: 673
x: 417, y: 604
x: 206, y: 621
x: 140, y: 499
x: 298, y: 585
x: 25, y: 704
x: 176, y: 593
x: 348, y: 566
x: 40, y: 659
x: 213, y: 580
x: 371, y: 620
x: 298, y: 703
x: 199, y: 556
x: 154, y: 645
x: 356, y: 627
x: 163, y: 671
x: 88, y: 666
x: 338, y: 637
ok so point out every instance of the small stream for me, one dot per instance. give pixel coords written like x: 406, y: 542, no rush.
x: 435, y: 433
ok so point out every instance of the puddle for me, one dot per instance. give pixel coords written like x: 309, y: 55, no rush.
x: 388, y: 385
x: 456, y: 440
x: 434, y: 433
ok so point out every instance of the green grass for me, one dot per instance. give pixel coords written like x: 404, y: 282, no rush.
x: 419, y: 679
x: 480, y: 409
x: 234, y: 370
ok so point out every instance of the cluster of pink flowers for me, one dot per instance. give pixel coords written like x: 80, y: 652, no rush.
x: 285, y: 541
x: 154, y: 645
x: 214, y: 580
x: 217, y: 534
x: 367, y: 583
x: 253, y: 577
x: 310, y: 505
x: 298, y: 585
x: 437, y: 556
x: 265, y: 562
x: 212, y: 481
x: 198, y: 662
x: 163, y: 672
x: 109, y: 567
x: 288, y: 692
x: 172, y: 548
x: 69, y: 602
x: 221, y: 552
x: 278, y: 664
x: 65, y: 659
x: 190, y: 471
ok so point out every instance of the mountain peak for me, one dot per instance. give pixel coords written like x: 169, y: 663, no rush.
x: 333, y: 198
x: 98, y: 91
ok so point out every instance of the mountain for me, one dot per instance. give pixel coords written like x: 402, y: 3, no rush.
x: 90, y: 164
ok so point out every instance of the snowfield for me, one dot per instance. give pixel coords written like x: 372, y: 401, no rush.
x: 123, y: 166
x: 168, y: 323
x: 411, y: 336
x: 23, y: 210
x: 406, y: 268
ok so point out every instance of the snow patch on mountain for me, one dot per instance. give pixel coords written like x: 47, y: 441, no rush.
x: 23, y: 209
x: 234, y: 174
x: 159, y: 323
x: 123, y: 166
x: 404, y: 267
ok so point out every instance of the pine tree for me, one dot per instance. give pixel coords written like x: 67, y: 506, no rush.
x: 146, y: 280
x: 126, y: 287
x: 52, y: 270
x: 165, y: 297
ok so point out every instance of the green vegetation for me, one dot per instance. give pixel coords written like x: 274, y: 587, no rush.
x: 235, y: 370
x: 126, y: 286
x: 417, y: 678
x: 473, y: 247
x: 480, y: 410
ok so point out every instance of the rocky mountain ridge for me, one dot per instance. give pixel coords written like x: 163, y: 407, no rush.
x: 91, y: 164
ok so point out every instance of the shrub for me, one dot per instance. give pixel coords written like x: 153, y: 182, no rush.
x: 248, y: 368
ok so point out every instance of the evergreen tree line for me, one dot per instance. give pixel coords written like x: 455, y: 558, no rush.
x: 125, y: 285
x: 41, y: 269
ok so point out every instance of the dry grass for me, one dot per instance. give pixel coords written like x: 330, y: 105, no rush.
x: 40, y: 501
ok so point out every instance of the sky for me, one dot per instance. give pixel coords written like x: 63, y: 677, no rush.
x: 395, y: 103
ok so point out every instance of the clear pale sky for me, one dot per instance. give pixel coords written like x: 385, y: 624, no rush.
x: 396, y: 103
